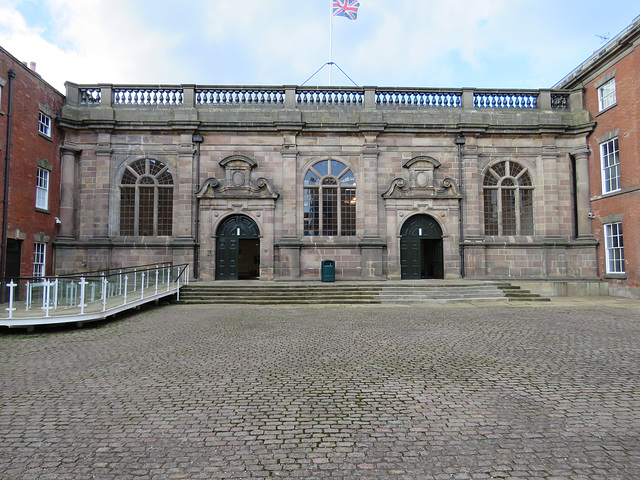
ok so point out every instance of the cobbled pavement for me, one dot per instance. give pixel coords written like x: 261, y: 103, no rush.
x: 491, y: 391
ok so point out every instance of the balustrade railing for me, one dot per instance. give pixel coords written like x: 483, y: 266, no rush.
x: 71, y: 297
x: 505, y: 100
x: 329, y: 96
x: 293, y: 97
x: 148, y: 96
x: 239, y: 96
x: 90, y: 96
x: 418, y: 98
x: 559, y: 101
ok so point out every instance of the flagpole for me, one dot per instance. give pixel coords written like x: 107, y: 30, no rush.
x: 330, y: 39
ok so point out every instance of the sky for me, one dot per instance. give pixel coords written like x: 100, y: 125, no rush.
x: 399, y: 43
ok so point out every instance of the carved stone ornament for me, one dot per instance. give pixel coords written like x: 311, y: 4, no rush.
x: 419, y: 181
x: 214, y: 188
x: 237, y: 182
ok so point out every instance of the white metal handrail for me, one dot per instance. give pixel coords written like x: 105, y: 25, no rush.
x: 87, y: 296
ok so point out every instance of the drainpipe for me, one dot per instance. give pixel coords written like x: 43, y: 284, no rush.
x: 3, y: 259
x: 460, y: 141
x: 197, y: 139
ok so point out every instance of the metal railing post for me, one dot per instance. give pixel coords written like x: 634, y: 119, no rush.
x: 46, y: 292
x: 104, y: 292
x: 27, y: 300
x: 11, y: 286
x: 83, y: 284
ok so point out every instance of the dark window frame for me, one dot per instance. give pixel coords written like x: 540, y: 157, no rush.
x: 329, y: 200
x: 508, y: 200
x: 146, y: 199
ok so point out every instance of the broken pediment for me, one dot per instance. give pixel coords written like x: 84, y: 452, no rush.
x: 420, y: 181
x: 215, y: 188
x: 237, y: 182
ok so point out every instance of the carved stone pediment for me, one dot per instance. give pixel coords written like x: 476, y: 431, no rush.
x: 237, y: 182
x: 214, y: 188
x: 420, y: 181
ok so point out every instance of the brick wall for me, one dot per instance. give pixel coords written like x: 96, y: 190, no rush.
x: 625, y: 115
x: 30, y: 96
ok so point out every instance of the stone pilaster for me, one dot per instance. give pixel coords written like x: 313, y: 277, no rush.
x: 183, y: 193
x: 550, y: 201
x: 101, y: 217
x: 583, y: 196
x: 68, y: 193
x: 367, y: 188
x: 372, y: 246
x: 473, y: 203
x: 289, y: 244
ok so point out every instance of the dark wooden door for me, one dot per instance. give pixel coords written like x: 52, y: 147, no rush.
x: 12, y: 266
x: 237, y: 249
x: 227, y: 258
x: 410, y: 259
x: 421, y: 254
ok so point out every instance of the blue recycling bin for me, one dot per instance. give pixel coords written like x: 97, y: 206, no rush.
x: 328, y: 270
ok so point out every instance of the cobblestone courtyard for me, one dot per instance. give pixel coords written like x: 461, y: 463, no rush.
x: 408, y: 392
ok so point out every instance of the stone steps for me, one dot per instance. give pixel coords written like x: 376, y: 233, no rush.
x: 278, y: 294
x: 440, y: 293
x: 253, y: 293
x: 514, y: 293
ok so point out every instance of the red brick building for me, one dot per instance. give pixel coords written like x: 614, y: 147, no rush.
x: 30, y: 143
x: 609, y: 79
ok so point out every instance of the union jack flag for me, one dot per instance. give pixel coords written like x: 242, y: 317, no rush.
x: 346, y: 8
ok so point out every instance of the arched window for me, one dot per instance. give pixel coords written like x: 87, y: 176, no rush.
x: 329, y: 200
x: 508, y: 200
x: 146, y: 199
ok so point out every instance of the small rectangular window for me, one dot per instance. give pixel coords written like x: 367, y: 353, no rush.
x: 39, y: 258
x: 614, y: 252
x: 44, y: 124
x: 607, y: 94
x: 610, y: 166
x: 42, y: 189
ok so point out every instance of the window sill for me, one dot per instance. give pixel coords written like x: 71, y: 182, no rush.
x: 615, y: 193
x: 45, y: 136
x: 615, y: 276
x: 43, y: 210
x: 604, y: 110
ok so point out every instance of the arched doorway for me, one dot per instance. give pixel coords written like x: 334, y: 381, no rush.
x: 421, y: 248
x: 238, y: 249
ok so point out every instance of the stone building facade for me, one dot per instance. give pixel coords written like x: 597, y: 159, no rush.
x: 29, y: 147
x: 266, y: 182
x: 609, y: 80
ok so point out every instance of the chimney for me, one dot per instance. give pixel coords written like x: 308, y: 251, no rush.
x: 32, y: 66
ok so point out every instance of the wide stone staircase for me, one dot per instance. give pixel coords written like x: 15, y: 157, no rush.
x: 351, y: 293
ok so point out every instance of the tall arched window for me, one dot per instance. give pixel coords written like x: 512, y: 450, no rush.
x: 329, y: 200
x: 508, y: 200
x: 146, y: 199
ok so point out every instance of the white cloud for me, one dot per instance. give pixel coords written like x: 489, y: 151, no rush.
x: 407, y: 43
x: 27, y: 45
